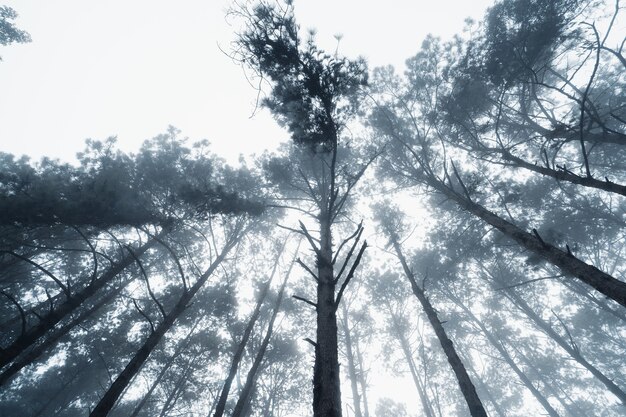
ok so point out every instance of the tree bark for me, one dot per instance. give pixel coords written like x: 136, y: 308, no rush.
x: 474, y: 403
x: 326, y: 382
x: 244, y: 397
x: 109, y: 399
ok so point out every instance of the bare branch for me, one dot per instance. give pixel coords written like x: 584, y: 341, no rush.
x: 63, y: 287
x: 19, y: 308
x: 145, y: 277
x: 345, y: 263
x: 311, y: 303
x: 145, y: 316
x: 350, y: 274
x: 346, y: 240
x: 306, y: 339
x: 309, y: 238
x: 306, y: 268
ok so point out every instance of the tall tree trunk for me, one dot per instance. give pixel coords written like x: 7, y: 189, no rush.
x: 507, y: 358
x: 182, y: 346
x: 48, y: 321
x: 234, y: 366
x: 406, y: 349
x: 592, y: 276
x: 109, y: 399
x: 244, y: 396
x: 476, y: 407
x: 352, y: 372
x: 326, y: 379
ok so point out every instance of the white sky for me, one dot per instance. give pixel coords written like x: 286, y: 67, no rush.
x: 131, y: 68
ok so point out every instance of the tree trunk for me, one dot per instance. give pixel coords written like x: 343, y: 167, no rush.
x: 507, y: 358
x: 49, y: 320
x: 109, y: 399
x: 182, y: 346
x: 552, y: 387
x: 601, y: 281
x: 406, y: 349
x: 326, y: 382
x: 476, y: 407
x: 352, y: 372
x: 178, y: 387
x: 574, y: 353
x: 221, y: 403
x: 242, y: 402
x: 361, y: 375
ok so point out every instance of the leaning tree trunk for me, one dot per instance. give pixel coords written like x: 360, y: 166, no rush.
x: 568, y: 263
x: 109, y: 399
x: 170, y: 361
x: 234, y: 366
x: 242, y: 402
x: 474, y: 403
x: 573, y: 352
x: 74, y: 301
x: 507, y: 358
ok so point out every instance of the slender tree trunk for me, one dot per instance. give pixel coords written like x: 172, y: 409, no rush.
x: 109, y: 399
x: 573, y: 352
x: 507, y: 358
x: 592, y: 276
x: 551, y: 387
x: 476, y: 407
x: 75, y: 301
x: 178, y: 387
x: 361, y: 375
x: 352, y: 372
x: 234, y: 366
x: 406, y: 349
x: 182, y: 346
x: 244, y: 397
x: 326, y: 379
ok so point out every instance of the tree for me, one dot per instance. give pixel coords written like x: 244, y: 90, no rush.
x: 314, y: 95
x: 8, y: 32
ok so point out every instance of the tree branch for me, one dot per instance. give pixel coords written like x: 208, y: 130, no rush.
x: 350, y: 274
x: 311, y: 303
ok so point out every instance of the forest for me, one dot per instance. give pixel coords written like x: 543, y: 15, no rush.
x: 443, y: 241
